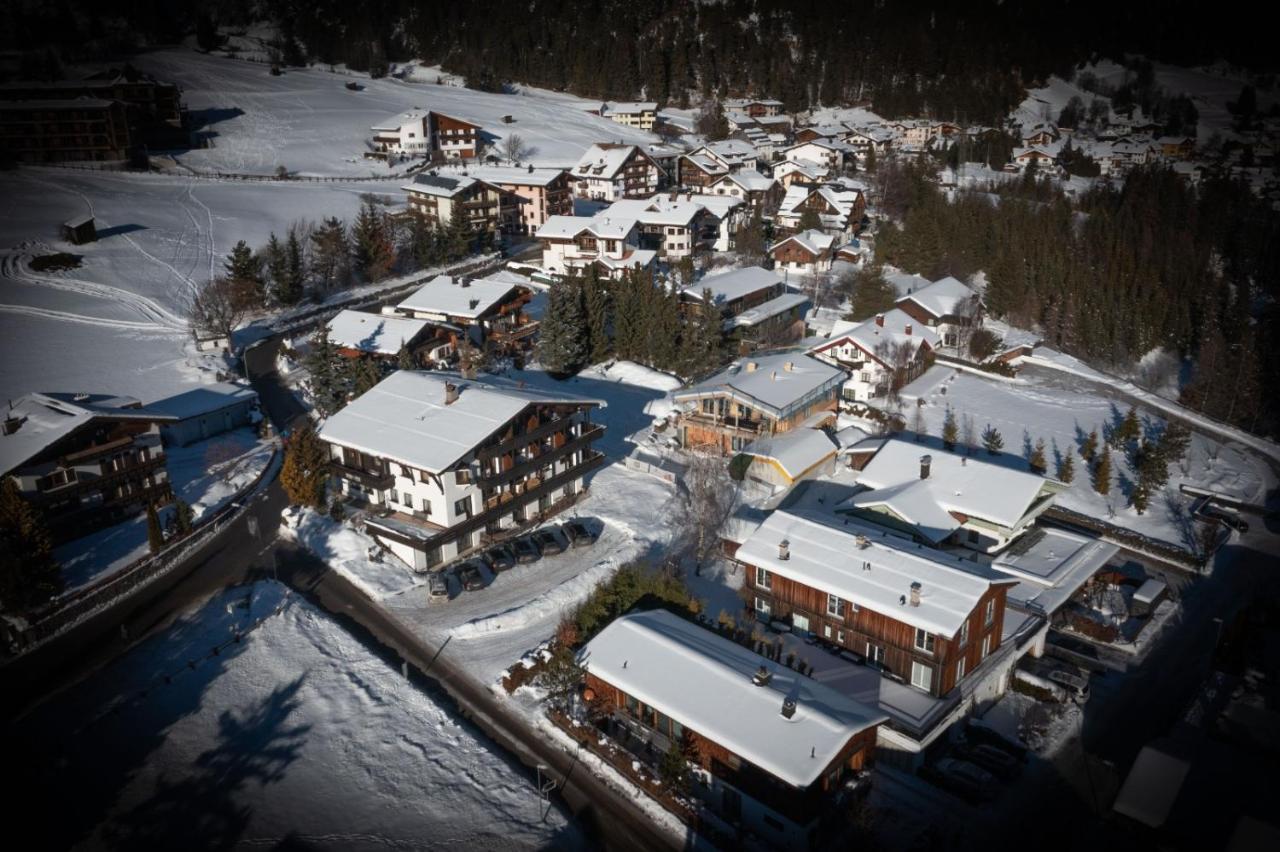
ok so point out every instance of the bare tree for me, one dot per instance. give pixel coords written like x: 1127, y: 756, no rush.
x: 709, y: 495
x: 903, y: 364
x: 968, y: 434
x: 217, y: 307
x: 513, y: 148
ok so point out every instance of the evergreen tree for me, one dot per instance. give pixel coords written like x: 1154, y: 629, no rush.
x: 596, y: 307
x: 372, y: 246
x: 628, y: 315
x: 305, y: 471
x: 1090, y: 447
x: 328, y: 374
x: 701, y: 339
x: 155, y: 535
x: 561, y: 677
x: 992, y: 440
x: 1037, y: 461
x: 711, y: 121
x: 245, y: 271
x: 749, y: 240
x: 295, y: 270
x: 1173, y: 442
x: 330, y: 255
x: 29, y: 575
x: 870, y: 163
x: 810, y: 220
x: 1066, y: 469
x: 277, y: 268
x: 404, y: 358
x: 563, y: 345
x: 365, y: 373
x: 1101, y: 478
x: 872, y: 294
x: 1130, y: 429
x: 674, y: 769
x: 183, y: 517
x: 662, y: 334
x: 950, y: 431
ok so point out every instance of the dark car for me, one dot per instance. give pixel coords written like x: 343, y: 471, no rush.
x: 579, y: 534
x: 969, y: 782
x: 997, y: 761
x: 548, y: 542
x: 472, y: 579
x: 978, y: 734
x: 500, y: 558
x: 526, y: 549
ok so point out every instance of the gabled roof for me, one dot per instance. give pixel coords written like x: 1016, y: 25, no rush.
x: 705, y: 682
x: 404, y: 417
x: 459, y: 297
x: 826, y: 554
x: 46, y: 418
x: 441, y: 186
x: 728, y: 286
x: 749, y: 179
x: 869, y: 335
x: 601, y: 225
x: 658, y: 210
x: 378, y: 334
x: 941, y: 298
x: 969, y: 485
x: 772, y: 383
x: 399, y: 120
x: 512, y: 176
x: 731, y: 152
x: 629, y: 107
x: 796, y: 450
x: 813, y: 241
x: 605, y: 159
x: 840, y: 199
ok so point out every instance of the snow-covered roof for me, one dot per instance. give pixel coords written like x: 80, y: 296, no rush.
x: 890, y: 328
x: 378, y: 334
x: 658, y: 210
x: 1152, y: 787
x: 639, y: 258
x: 603, y: 160
x: 46, y: 418
x: 743, y: 103
x: 460, y: 297
x: 841, y: 200
x: 706, y: 163
x: 604, y: 225
x: 795, y: 451
x: 1052, y: 564
x: 399, y: 120
x: 813, y: 241
x: 203, y: 400
x: 705, y: 682
x: 766, y: 310
x: 749, y: 179
x: 57, y: 104
x: 442, y: 186
x: 630, y: 107
x: 835, y: 560
x: 728, y: 286
x: 941, y: 298
x: 77, y: 221
x: 730, y: 151
x: 512, y: 176
x: 404, y: 417
x: 775, y: 383
x: 957, y: 483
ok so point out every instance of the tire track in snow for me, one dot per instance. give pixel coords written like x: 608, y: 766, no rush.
x: 45, y: 313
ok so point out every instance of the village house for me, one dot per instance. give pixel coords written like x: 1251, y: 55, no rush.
x: 426, y: 133
x: 754, y: 107
x: 452, y: 464
x: 772, y: 747
x: 84, y: 461
x: 887, y: 351
x: 667, y: 158
x: 699, y: 171
x: 782, y: 460
x: 609, y: 172
x: 755, y: 303
x: 790, y: 172
x: 529, y: 196
x: 703, y: 166
x: 359, y: 334
x: 439, y: 199
x: 806, y: 253
x: 867, y: 140
x: 672, y: 226
x: 925, y: 616
x: 952, y: 498
x: 839, y: 209
x: 611, y: 244
x: 206, y: 411
x: 1177, y: 147
x: 640, y: 115
x: 1039, y: 135
x: 485, y: 310
x: 1042, y: 157
x: 730, y: 213
x: 758, y: 191
x: 60, y: 131
x: 948, y: 308
x: 755, y: 397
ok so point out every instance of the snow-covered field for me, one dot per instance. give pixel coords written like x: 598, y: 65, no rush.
x: 296, y: 737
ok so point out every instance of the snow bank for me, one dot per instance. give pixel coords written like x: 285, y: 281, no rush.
x: 550, y: 604
x: 207, y: 474
x: 349, y: 553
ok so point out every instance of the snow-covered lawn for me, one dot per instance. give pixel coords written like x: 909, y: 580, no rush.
x: 103, y: 553
x: 297, y: 735
x: 349, y: 553
x: 1063, y: 409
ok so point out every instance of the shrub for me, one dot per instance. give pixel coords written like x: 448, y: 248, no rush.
x: 982, y: 345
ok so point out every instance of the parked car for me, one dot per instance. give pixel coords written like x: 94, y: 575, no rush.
x: 548, y: 542
x: 997, y: 761
x: 975, y: 734
x: 579, y: 534
x: 472, y: 579
x: 526, y: 549
x: 500, y: 558
x: 969, y: 782
x: 437, y: 586
x: 1076, y: 686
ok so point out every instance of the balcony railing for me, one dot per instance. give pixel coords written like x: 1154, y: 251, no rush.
x: 523, y: 469
x: 709, y: 421
x: 518, y: 441
x: 368, y: 478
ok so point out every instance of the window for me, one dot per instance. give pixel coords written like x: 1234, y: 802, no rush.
x: 959, y: 669
x: 840, y: 636
x: 921, y: 676
x: 924, y: 641
x: 633, y: 706
x: 464, y: 476
x: 764, y: 579
x: 826, y: 631
x: 875, y: 654
x: 426, y: 506
x: 989, y: 614
x: 964, y: 635
x: 462, y: 507
x: 986, y: 646
x: 762, y: 606
x: 866, y: 377
x: 835, y: 606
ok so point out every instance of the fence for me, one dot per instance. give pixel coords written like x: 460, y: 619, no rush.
x: 84, y: 602
x: 189, y: 172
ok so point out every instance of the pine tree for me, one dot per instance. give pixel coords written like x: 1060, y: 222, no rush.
x: 155, y: 536
x: 330, y: 255
x: 328, y: 374
x: 674, y: 769
x: 1090, y: 448
x: 306, y: 469
x: 245, y: 271
x: 365, y: 374
x: 992, y: 440
x: 701, y: 340
x: 870, y: 164
x: 950, y: 431
x: 561, y: 677
x: 810, y: 220
x: 372, y: 248
x: 563, y: 345
x: 404, y: 358
x: 1173, y: 442
x: 1066, y: 469
x: 1101, y: 478
x: 1130, y: 429
x: 183, y: 517
x: 596, y: 306
x: 277, y: 268
x: 29, y: 575
x: 749, y: 239
x: 1037, y: 461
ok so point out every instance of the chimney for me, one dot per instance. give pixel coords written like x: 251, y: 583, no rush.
x: 762, y: 676
x: 784, y: 549
x: 11, y: 424
x: 788, y: 707
x: 790, y: 366
x: 450, y: 393
x: 925, y: 461
x: 751, y: 366
x: 915, y: 594
x: 464, y: 282
x: 907, y: 330
x: 774, y: 375
x: 880, y: 320
x: 473, y: 303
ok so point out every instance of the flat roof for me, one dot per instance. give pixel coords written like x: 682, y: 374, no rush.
x: 512, y: 176
x: 774, y: 382
x: 1152, y: 787
x: 766, y: 310
x: 1051, y: 565
x: 705, y: 682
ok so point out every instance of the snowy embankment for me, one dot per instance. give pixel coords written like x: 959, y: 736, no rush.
x: 350, y: 553
x: 296, y: 734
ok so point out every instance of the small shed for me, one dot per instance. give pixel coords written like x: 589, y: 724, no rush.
x: 207, y: 411
x: 80, y: 230
x: 1148, y: 596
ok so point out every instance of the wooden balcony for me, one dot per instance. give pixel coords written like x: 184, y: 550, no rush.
x: 524, y: 469
x: 367, y: 478
x: 726, y: 424
x: 518, y: 441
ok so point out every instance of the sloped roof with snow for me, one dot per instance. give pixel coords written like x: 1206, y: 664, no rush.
x: 869, y: 336
x: 46, y: 418
x: 442, y: 186
x: 825, y: 554
x: 512, y: 176
x: 604, y: 224
x: 459, y: 297
x: 766, y: 310
x: 399, y: 120
x: 203, y: 400
x: 603, y: 160
x: 941, y: 298
x: 704, y: 681
x: 730, y: 151
x: 957, y: 483
x: 658, y: 210
x: 795, y: 451
x: 749, y: 179
x: 630, y: 107
x: 775, y: 383
x: 813, y: 241
x: 404, y: 417
x: 728, y: 286
x: 378, y: 334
